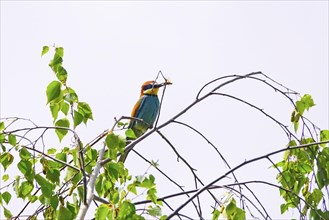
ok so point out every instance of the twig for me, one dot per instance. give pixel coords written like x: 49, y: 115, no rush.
x: 191, y: 169
x: 26, y: 205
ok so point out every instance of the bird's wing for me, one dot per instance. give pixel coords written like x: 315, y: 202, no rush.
x: 136, y: 110
x: 136, y: 106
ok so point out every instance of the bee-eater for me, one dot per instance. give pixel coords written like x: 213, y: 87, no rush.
x: 146, y: 110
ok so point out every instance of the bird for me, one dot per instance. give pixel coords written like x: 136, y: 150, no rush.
x: 145, y: 111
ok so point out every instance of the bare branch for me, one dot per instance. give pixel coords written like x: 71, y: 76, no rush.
x: 196, y: 178
x: 209, y: 142
x: 237, y: 167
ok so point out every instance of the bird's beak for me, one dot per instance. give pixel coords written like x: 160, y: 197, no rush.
x: 162, y: 84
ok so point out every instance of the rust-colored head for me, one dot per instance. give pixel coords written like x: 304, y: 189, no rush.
x: 152, y: 87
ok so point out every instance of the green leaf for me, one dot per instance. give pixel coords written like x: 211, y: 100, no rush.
x: 122, y: 124
x: 24, y: 154
x: 308, y: 101
x: 75, y: 153
x: 49, y: 164
x: 54, y: 201
x: 25, y: 167
x: 316, y: 196
x: 81, y: 192
x: 17, y: 181
x: 7, y: 213
x: 240, y: 214
x: 25, y: 189
x: 54, y: 109
x: 1, y: 203
x: 70, y: 96
x: 55, y: 63
x: 102, y: 211
x: 321, y: 177
x: 231, y: 208
x: 130, y: 134
x: 73, y: 208
x: 280, y: 164
x: 65, y: 108
x: 33, y: 199
x: 151, y: 195
x: 53, y: 175
x: 2, y: 138
x: 59, y: 51
x: 147, y: 183
x: 51, y: 151
x: 77, y: 118
x: 53, y: 90
x: 127, y: 210
x: 43, y: 199
x: 292, y: 143
x: 112, y: 142
x: 114, y: 196
x: 92, y: 154
x: 318, y: 214
x: 305, y: 103
x: 61, y: 74
x: 296, y: 124
x: 154, y: 211
x: 300, y: 106
x: 62, y: 132
x: 132, y: 188
x: 46, y: 187
x: 2, y: 146
x: 12, y: 139
x: 113, y: 169
x: 57, y: 60
x: 304, y: 168
x: 73, y: 175
x: 293, y: 116
x: 59, y: 100
x: 64, y: 213
x: 215, y: 214
x: 61, y: 156
x: 324, y: 136
x: 45, y: 50
x: 6, y: 159
x: 77, y: 178
x: 85, y: 110
x: 98, y: 185
x: 6, y: 196
x: 2, y: 126
x: 5, y: 177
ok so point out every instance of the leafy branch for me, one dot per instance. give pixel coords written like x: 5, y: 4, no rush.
x: 66, y: 181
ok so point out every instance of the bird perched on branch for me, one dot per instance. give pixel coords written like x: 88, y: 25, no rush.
x: 145, y: 110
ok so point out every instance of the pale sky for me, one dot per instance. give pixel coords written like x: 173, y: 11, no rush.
x: 111, y: 48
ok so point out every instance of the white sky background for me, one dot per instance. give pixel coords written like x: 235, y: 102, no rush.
x: 111, y: 48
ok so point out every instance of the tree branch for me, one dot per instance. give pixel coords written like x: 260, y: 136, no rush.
x: 91, y: 185
x: 235, y: 168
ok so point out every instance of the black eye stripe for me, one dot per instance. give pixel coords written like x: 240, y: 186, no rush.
x: 149, y: 86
